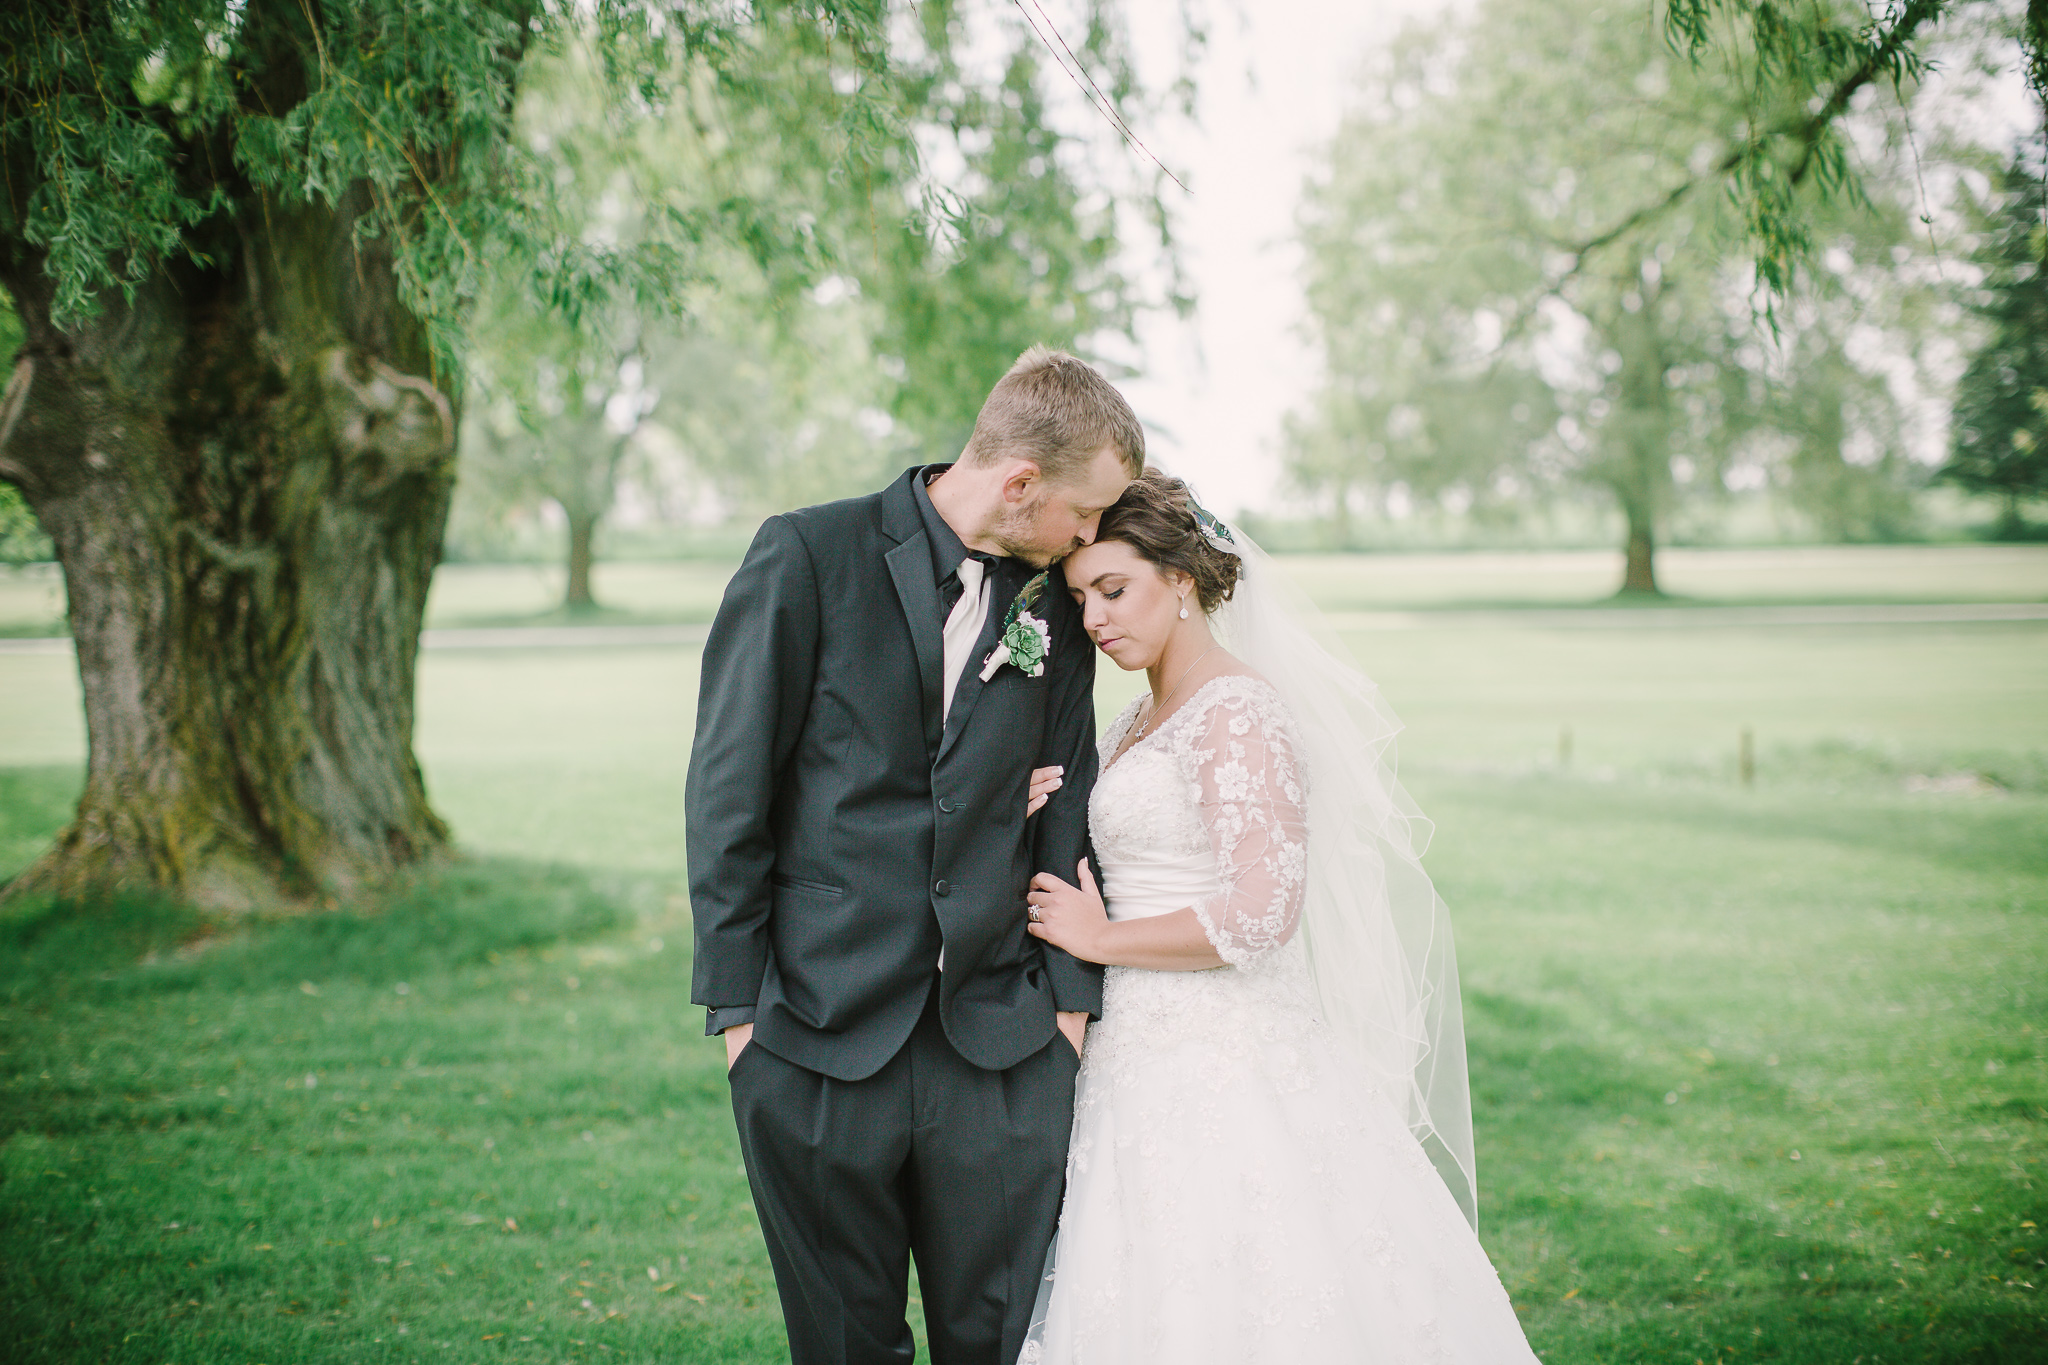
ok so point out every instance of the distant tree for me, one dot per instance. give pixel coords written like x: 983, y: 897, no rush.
x: 1471, y: 361
x: 558, y: 433
x: 244, y: 238
x: 2001, y: 411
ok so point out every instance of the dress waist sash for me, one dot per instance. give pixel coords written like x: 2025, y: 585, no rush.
x: 1140, y: 888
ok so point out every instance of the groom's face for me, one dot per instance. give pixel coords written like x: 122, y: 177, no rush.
x: 1055, y: 519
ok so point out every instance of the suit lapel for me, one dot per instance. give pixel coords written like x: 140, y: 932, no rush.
x: 1007, y: 580
x: 910, y: 566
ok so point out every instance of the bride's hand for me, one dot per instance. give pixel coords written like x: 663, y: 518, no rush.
x: 1069, y: 917
x: 1044, y: 782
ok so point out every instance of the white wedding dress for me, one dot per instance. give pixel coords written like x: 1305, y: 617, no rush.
x: 1236, y: 1192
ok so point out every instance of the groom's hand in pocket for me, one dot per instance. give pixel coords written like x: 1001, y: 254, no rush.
x: 736, y: 1039
x: 1074, y: 1024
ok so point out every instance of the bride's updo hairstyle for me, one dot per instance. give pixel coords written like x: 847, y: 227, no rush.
x: 1156, y: 518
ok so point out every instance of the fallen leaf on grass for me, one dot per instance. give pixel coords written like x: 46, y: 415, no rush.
x: 492, y: 1337
x: 664, y: 1288
x: 698, y: 1297
x: 265, y: 1246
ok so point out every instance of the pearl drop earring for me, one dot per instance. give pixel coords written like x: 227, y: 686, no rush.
x: 1183, y: 608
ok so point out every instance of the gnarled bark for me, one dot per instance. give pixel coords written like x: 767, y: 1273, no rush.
x: 246, y: 473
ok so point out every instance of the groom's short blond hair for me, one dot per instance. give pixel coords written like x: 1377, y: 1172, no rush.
x: 1057, y: 411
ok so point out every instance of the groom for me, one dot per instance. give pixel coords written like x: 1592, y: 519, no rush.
x: 901, y: 1053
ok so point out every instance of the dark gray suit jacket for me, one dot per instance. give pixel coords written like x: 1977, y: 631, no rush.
x: 839, y: 835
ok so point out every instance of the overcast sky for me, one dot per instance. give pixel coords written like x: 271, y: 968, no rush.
x: 1271, y: 88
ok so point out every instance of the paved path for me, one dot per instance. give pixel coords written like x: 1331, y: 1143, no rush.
x: 1529, y: 618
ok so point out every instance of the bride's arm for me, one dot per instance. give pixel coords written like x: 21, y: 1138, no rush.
x: 1253, y: 805
x: 1074, y: 918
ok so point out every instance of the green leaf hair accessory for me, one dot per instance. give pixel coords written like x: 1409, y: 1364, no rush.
x: 1026, y: 640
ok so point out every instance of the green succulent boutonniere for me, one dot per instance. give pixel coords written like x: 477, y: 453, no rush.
x: 1025, y: 640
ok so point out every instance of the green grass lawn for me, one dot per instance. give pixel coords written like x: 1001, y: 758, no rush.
x: 1758, y: 1074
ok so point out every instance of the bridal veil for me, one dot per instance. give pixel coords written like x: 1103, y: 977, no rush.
x: 1378, y: 936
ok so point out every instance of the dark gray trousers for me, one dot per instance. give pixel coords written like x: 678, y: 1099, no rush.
x: 931, y: 1156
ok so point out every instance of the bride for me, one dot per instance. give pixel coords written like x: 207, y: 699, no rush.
x: 1271, y: 1157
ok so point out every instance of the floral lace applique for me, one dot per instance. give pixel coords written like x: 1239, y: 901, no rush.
x: 1235, y: 754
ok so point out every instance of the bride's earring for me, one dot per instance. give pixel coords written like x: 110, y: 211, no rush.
x: 1183, y: 608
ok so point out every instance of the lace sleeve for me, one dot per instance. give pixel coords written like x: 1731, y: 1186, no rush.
x: 1251, y: 798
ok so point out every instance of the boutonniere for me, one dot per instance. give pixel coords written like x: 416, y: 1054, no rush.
x: 1025, y: 640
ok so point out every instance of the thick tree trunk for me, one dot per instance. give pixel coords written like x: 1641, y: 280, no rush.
x: 577, y: 597
x: 1639, y: 571
x: 246, y: 473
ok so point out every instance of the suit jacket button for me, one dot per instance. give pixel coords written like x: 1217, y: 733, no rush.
x: 946, y: 804
x: 941, y: 889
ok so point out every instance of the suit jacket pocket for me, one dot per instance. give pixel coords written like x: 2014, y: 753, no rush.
x: 783, y: 879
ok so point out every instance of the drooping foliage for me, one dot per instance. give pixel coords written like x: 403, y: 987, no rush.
x: 125, y: 128
x: 1803, y: 69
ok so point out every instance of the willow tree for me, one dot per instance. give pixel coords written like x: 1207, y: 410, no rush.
x: 242, y: 237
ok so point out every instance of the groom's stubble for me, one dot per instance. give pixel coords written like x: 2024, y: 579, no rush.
x: 1019, y: 534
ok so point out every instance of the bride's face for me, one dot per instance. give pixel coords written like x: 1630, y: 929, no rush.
x: 1130, y: 608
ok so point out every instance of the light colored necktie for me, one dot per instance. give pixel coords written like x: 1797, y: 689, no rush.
x: 963, y: 626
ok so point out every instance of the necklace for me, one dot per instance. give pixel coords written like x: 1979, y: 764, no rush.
x: 1160, y: 709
